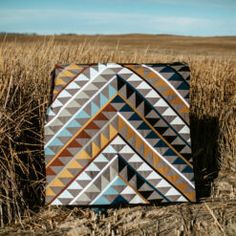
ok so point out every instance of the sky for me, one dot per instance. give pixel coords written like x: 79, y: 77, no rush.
x: 181, y: 17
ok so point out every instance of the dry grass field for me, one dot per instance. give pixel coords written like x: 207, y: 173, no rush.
x: 25, y: 65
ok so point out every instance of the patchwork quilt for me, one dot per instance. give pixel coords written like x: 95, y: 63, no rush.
x: 119, y: 134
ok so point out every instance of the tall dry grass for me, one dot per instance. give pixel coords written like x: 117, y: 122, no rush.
x: 24, y: 90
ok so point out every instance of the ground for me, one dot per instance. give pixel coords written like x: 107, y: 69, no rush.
x: 25, y: 65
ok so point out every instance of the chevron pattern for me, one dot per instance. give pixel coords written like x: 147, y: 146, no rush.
x: 119, y: 134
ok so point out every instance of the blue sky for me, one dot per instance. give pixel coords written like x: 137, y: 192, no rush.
x: 183, y: 17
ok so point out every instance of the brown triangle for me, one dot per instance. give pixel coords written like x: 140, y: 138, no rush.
x: 57, y: 162
x: 49, y: 171
x: 83, y: 134
x: 74, y: 143
x: 110, y: 108
x: 100, y: 116
x: 92, y: 125
x: 65, y: 153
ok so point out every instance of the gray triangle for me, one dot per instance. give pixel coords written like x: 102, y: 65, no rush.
x: 74, y: 192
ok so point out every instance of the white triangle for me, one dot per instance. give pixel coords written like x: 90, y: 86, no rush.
x: 172, y: 192
x: 152, y: 94
x: 134, y: 77
x: 136, y: 200
x: 118, y: 140
x: 82, y: 77
x: 169, y: 112
x: 56, y: 202
x: 128, y: 190
x: 64, y: 94
x: 56, y: 103
x: 101, y: 158
x: 161, y: 103
x: 135, y: 158
x: 83, y: 176
x: 182, y: 199
x: 177, y: 121
x: 144, y: 167
x: 92, y: 167
x: 124, y: 71
x: 93, y: 72
x: 184, y: 130
x: 113, y: 65
x: 126, y: 149
x: 50, y: 112
x: 66, y: 194
x: 101, y: 67
x: 75, y: 185
x: 73, y: 85
x: 109, y: 149
x: 143, y: 85
x: 153, y: 175
x: 163, y: 183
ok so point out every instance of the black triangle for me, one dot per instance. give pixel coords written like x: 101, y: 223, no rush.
x: 147, y: 108
x: 129, y: 90
x: 161, y: 130
x: 140, y: 182
x: 178, y: 147
x: 120, y: 82
x: 169, y: 139
x: 130, y: 173
x: 152, y: 121
x: 121, y: 164
x: 187, y: 156
x: 119, y: 200
x: 138, y: 99
x: 184, y: 68
x: 146, y: 194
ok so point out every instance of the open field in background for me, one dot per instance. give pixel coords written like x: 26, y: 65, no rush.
x: 25, y: 65
x: 165, y: 44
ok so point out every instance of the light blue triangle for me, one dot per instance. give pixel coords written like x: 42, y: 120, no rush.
x: 50, y: 112
x: 56, y: 142
x: 109, y: 149
x: 74, y: 124
x: 101, y: 201
x: 82, y: 115
x: 48, y: 151
x: 94, y: 108
x: 64, y: 133
x: 103, y: 100
x: 101, y: 158
x: 111, y: 91
x: 111, y: 191
x: 92, y: 167
x: 119, y: 182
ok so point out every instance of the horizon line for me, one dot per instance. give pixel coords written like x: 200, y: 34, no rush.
x: 111, y: 34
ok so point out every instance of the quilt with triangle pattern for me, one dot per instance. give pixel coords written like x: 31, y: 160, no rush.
x: 119, y: 134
